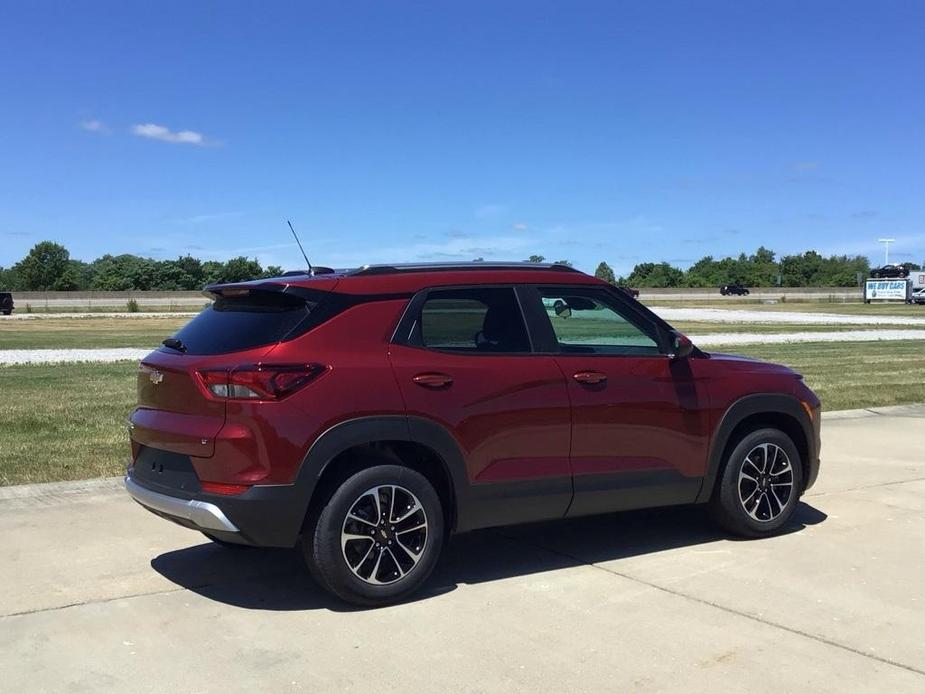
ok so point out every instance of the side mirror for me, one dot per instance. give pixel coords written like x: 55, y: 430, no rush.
x: 681, y: 345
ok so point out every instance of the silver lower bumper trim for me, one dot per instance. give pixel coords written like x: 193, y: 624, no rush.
x: 201, y: 513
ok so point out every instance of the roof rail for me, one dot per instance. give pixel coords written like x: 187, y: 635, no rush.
x: 465, y: 265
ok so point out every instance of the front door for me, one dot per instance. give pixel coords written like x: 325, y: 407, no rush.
x: 640, y: 420
x: 467, y: 364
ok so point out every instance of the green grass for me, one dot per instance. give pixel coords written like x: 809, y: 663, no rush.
x: 60, y: 333
x: 851, y: 375
x: 68, y: 422
x: 64, y: 422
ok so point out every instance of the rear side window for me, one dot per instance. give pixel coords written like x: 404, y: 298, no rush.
x: 254, y: 319
x: 472, y: 320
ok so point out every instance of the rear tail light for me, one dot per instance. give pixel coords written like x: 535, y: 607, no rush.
x: 258, y: 381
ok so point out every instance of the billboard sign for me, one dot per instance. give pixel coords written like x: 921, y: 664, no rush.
x: 887, y: 289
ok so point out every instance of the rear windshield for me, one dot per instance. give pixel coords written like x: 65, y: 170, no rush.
x: 236, y: 323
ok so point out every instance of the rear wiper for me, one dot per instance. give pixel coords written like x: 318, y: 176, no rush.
x: 174, y: 343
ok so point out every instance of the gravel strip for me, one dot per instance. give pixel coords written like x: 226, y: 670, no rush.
x: 783, y: 338
x: 722, y: 315
x: 61, y: 356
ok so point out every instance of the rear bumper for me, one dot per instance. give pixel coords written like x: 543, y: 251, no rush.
x: 201, y: 514
x: 263, y: 516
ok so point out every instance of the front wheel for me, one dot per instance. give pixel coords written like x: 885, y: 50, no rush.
x: 379, y: 536
x: 760, y: 485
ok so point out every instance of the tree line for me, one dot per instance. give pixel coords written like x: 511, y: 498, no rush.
x: 49, y: 266
x: 760, y: 269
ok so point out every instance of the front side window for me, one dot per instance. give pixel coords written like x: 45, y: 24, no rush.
x: 473, y: 320
x: 587, y: 322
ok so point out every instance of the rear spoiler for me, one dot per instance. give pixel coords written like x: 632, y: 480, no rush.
x: 241, y: 288
x: 228, y: 289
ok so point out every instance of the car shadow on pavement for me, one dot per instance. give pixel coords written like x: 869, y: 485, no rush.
x: 276, y: 579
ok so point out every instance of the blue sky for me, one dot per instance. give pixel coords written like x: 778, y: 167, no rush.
x: 397, y: 131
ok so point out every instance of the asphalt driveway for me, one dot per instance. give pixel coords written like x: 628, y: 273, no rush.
x: 98, y: 595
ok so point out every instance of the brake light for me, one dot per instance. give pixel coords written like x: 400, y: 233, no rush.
x: 258, y: 381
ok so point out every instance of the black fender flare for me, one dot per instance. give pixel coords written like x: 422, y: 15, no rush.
x: 747, y: 406
x: 372, y: 429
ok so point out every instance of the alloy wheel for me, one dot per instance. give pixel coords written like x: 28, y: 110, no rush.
x: 765, y: 482
x: 384, y: 534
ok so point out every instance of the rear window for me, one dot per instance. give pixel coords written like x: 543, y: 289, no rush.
x: 237, y: 323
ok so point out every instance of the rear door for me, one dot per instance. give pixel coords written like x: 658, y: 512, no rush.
x: 463, y: 359
x: 640, y: 421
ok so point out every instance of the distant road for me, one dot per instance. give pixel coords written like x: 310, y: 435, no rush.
x: 96, y: 300
x: 766, y: 294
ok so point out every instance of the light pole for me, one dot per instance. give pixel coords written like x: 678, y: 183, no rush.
x: 886, y: 249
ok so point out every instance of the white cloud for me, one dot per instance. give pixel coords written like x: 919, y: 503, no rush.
x: 94, y: 126
x: 465, y: 247
x: 164, y: 134
x: 520, y: 226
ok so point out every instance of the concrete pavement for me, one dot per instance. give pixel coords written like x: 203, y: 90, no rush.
x: 98, y: 595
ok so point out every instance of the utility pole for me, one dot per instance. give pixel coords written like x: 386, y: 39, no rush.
x: 886, y: 249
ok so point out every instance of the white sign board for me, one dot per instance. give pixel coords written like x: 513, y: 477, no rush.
x: 886, y: 289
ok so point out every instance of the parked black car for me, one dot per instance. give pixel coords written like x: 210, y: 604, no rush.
x: 891, y: 270
x: 737, y: 289
x: 6, y: 303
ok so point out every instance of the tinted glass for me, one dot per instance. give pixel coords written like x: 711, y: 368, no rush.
x: 587, y: 322
x: 233, y: 324
x: 473, y: 320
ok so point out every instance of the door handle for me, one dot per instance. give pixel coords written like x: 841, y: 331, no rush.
x: 590, y: 377
x: 433, y: 380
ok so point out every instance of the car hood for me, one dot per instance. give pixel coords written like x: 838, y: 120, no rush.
x: 737, y: 362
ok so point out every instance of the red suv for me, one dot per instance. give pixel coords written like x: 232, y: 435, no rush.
x: 365, y: 415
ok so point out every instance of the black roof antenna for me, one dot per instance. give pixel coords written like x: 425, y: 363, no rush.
x: 310, y: 271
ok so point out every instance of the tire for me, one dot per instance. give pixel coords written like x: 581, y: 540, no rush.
x: 385, y: 568
x: 225, y: 543
x: 7, y: 312
x: 731, y: 505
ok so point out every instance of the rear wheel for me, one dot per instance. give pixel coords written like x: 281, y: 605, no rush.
x: 760, y: 485
x: 378, y: 537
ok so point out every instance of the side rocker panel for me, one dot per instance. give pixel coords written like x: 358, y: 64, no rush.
x: 475, y: 506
